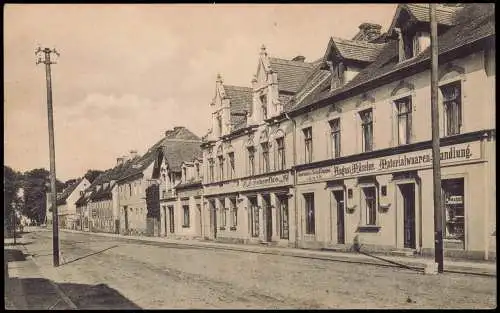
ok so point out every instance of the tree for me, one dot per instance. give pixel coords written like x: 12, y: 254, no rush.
x: 36, y: 184
x: 91, y: 175
x: 69, y: 182
x: 11, y: 185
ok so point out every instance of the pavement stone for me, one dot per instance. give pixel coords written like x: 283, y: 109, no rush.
x: 418, y: 263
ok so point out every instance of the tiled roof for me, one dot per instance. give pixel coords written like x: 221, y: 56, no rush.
x: 291, y: 74
x: 357, y: 50
x: 61, y: 199
x: 240, y: 97
x: 178, y: 151
x: 474, y: 22
x: 445, y: 15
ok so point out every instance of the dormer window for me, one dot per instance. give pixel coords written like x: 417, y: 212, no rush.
x: 411, y: 43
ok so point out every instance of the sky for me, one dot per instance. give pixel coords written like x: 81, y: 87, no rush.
x: 127, y: 73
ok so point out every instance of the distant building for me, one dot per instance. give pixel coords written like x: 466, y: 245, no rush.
x: 66, y: 204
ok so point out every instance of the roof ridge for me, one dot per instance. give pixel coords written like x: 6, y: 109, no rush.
x: 294, y: 63
x: 359, y: 42
x: 234, y: 86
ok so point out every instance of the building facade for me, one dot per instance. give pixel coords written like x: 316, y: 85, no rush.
x: 369, y: 176
x: 66, y: 204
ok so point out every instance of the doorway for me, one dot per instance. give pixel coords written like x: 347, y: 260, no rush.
x: 198, y: 207
x: 171, y: 219
x: 339, y: 207
x: 408, y: 195
x: 268, y: 213
x: 165, y: 225
x: 125, y: 210
x: 213, y: 218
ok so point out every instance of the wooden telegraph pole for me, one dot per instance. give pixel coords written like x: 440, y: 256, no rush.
x: 436, y: 166
x: 55, y: 220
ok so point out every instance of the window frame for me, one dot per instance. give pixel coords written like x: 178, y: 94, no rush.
x: 220, y: 159
x: 369, y: 212
x: 280, y: 153
x: 265, y: 162
x: 310, y: 219
x: 230, y: 165
x: 211, y: 163
x: 308, y: 144
x: 251, y: 161
x: 186, y: 219
x: 335, y: 137
x: 458, y: 101
x: 407, y: 115
x: 283, y: 207
x: 366, y: 124
x: 234, y: 213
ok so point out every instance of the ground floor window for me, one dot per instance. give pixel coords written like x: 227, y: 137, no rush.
x: 283, y: 216
x: 234, y: 213
x: 222, y: 213
x: 453, y: 198
x: 369, y: 203
x: 185, y: 209
x: 309, y: 211
x: 254, y: 217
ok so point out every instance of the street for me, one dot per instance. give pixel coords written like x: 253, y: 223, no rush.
x: 122, y: 273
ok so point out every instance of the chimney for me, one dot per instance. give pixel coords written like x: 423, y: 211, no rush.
x: 299, y: 58
x: 368, y: 32
x: 119, y: 160
x: 133, y: 154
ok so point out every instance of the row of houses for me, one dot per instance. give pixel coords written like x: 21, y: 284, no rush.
x: 325, y: 153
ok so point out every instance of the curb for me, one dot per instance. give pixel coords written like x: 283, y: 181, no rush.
x: 58, y: 290
x: 417, y: 265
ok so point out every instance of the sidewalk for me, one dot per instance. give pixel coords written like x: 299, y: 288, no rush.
x: 416, y: 263
x: 26, y: 288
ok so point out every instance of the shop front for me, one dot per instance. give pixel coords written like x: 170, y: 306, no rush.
x: 251, y: 210
x: 386, y: 202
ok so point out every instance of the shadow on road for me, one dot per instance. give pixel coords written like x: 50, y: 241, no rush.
x: 13, y: 255
x: 39, y: 293
x: 88, y: 255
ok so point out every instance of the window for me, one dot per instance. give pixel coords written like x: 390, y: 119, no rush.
x: 453, y: 198
x: 254, y: 217
x: 251, y: 161
x: 309, y: 210
x: 263, y: 100
x: 370, y: 205
x: 409, y: 44
x: 404, y: 120
x: 222, y: 213
x: 221, y: 167
x: 230, y: 165
x: 367, y: 129
x: 211, y: 170
x: 130, y: 190
x: 184, y: 174
x: 280, y: 151
x: 219, y: 125
x: 265, y: 158
x: 185, y: 208
x: 234, y: 213
x: 283, y: 214
x: 452, y: 103
x: 308, y: 144
x: 335, y: 137
x: 197, y: 170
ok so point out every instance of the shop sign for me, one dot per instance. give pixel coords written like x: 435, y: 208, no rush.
x: 226, y: 187
x: 266, y: 181
x: 399, y: 162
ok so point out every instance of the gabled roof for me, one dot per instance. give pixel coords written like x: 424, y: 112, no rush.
x: 474, y: 22
x: 61, y: 199
x: 291, y: 74
x: 354, y: 49
x: 445, y: 15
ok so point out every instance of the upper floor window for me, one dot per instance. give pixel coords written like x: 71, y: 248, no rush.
x: 219, y: 125
x: 367, y: 129
x: 230, y: 165
x: 308, y: 144
x: 263, y: 100
x: 251, y: 161
x: 265, y: 157
x: 184, y: 174
x: 369, y: 204
x: 452, y: 103
x: 404, y: 109
x: 211, y: 170
x: 280, y: 153
x: 335, y: 137
x: 221, y: 167
x: 197, y: 170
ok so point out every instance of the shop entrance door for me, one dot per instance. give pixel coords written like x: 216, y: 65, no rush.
x: 408, y: 194
x: 165, y: 226
x: 269, y: 217
x: 339, y: 199
x: 171, y: 218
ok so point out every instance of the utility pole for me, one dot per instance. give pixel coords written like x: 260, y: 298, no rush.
x: 55, y: 219
x: 436, y: 158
